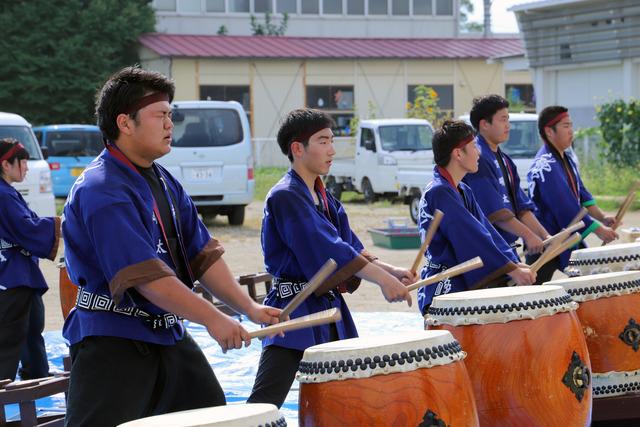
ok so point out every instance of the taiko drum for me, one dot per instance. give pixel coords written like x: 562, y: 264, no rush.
x: 604, y: 259
x: 527, y: 357
x: 406, y: 379
x: 609, y: 312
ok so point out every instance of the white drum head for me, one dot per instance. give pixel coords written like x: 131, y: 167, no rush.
x: 243, y: 415
x: 595, y: 286
x: 381, y: 355
x: 604, y: 259
x: 498, y: 305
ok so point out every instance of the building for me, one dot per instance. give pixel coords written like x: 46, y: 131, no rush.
x: 582, y: 52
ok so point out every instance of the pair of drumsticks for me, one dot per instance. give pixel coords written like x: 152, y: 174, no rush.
x: 624, y: 207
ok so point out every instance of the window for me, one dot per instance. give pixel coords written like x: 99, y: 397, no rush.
x: 165, y: 5
x: 240, y: 94
x: 189, y: 6
x: 74, y: 143
x: 422, y: 7
x: 400, y: 7
x: 211, y: 127
x: 444, y: 92
x: 215, y: 6
x: 310, y: 7
x: 405, y: 137
x: 367, y: 139
x: 520, y: 97
x: 378, y: 7
x: 335, y: 100
x: 262, y: 6
x: 332, y: 6
x: 286, y: 6
x: 444, y: 7
x: 355, y: 7
x: 25, y: 136
x: 239, y: 6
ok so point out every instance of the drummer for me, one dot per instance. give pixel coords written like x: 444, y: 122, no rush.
x: 557, y: 189
x: 464, y: 231
x: 302, y: 227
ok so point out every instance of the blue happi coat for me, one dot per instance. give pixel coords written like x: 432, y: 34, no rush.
x: 553, y: 193
x: 491, y: 188
x: 297, y: 239
x: 464, y: 233
x: 109, y: 228
x: 24, y: 237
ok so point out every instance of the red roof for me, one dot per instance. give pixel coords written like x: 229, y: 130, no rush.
x: 210, y: 46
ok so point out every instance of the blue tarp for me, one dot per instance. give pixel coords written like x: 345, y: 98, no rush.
x: 236, y: 369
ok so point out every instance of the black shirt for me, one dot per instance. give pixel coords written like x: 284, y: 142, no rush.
x: 164, y: 209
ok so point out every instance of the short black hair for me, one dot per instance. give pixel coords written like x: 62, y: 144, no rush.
x: 447, y: 137
x: 546, y: 116
x: 122, y: 90
x: 299, y: 125
x: 485, y: 107
x: 7, y: 144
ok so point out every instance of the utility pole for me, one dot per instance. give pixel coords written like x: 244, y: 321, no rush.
x: 487, y: 17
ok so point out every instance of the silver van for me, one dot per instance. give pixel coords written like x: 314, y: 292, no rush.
x: 36, y: 187
x: 211, y: 156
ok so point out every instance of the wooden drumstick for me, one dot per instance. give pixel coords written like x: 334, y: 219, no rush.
x: 626, y: 205
x: 563, y: 234
x: 317, y: 280
x: 456, y: 270
x: 320, y: 318
x: 431, y: 231
x: 555, y: 250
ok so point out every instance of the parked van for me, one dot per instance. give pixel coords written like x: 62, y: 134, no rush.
x: 211, y: 156
x: 70, y: 149
x: 36, y: 187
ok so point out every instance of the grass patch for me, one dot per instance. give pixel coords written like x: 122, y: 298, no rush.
x: 609, y: 184
x: 265, y: 179
x: 60, y: 205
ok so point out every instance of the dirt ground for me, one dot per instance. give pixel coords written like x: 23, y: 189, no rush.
x: 243, y: 254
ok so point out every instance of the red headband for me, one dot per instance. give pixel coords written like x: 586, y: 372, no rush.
x: 11, y: 152
x: 556, y: 119
x: 146, y: 100
x: 464, y: 142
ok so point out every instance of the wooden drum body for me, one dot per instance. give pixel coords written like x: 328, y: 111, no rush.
x: 527, y: 357
x: 244, y: 415
x: 610, y: 315
x: 604, y: 259
x: 68, y: 291
x: 401, y: 380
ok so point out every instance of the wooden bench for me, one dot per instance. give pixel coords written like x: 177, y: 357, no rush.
x: 248, y: 280
x: 25, y: 393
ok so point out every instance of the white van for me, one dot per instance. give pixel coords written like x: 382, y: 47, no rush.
x: 36, y: 187
x: 211, y: 156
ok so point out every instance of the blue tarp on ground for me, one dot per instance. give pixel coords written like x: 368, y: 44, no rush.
x: 236, y: 369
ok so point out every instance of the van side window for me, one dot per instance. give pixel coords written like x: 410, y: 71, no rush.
x: 367, y: 139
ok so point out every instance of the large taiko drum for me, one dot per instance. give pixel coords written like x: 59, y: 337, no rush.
x: 526, y: 355
x: 68, y: 291
x: 610, y: 316
x: 244, y: 415
x: 405, y: 379
x: 604, y: 259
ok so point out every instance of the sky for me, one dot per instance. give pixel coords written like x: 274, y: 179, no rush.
x: 502, y: 21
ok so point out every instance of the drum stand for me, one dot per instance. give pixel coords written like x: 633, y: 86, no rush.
x: 619, y: 411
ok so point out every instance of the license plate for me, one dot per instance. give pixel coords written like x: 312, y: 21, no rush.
x: 202, y: 174
x: 76, y: 171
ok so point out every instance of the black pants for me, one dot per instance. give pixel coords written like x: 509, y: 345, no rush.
x: 546, y: 271
x: 33, y: 357
x: 15, y: 304
x: 114, y: 380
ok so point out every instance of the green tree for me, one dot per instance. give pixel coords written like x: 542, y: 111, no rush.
x: 269, y: 28
x: 620, y: 130
x: 466, y: 9
x: 54, y: 55
x: 425, y: 106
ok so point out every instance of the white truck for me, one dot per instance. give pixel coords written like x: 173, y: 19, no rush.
x: 382, y: 146
x: 522, y: 146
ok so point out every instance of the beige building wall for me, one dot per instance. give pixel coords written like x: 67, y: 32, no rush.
x: 278, y: 86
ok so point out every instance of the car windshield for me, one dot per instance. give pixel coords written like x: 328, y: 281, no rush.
x: 26, y: 138
x: 73, y: 143
x: 523, y: 140
x: 405, y: 137
x: 210, y: 127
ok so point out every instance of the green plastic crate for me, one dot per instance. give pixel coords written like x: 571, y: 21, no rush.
x: 395, y: 238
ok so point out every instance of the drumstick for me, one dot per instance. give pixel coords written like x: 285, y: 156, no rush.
x: 555, y: 250
x: 319, y: 318
x: 317, y: 279
x: 563, y: 234
x: 456, y: 270
x: 431, y: 231
x: 626, y: 205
